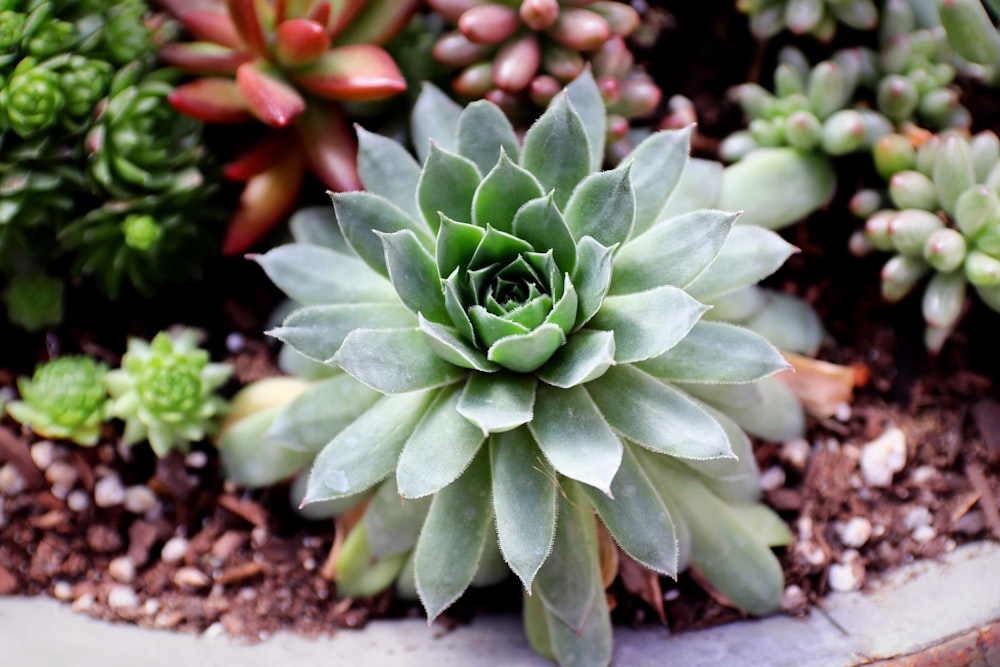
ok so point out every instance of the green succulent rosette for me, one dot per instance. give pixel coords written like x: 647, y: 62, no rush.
x: 165, y: 391
x: 527, y: 329
x: 64, y: 399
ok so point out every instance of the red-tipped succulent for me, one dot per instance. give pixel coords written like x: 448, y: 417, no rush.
x: 285, y: 63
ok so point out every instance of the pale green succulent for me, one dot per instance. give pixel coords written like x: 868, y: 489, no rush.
x: 818, y: 18
x: 65, y: 399
x: 529, y: 331
x: 165, y: 391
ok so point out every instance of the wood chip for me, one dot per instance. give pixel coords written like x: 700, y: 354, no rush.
x: 821, y: 386
x: 986, y: 414
x: 987, y: 500
x: 240, y: 572
x: 49, y: 520
x: 8, y: 582
x: 15, y: 451
x: 245, y: 509
x: 641, y: 581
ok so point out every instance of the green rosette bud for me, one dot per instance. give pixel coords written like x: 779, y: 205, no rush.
x: 900, y: 275
x: 770, y: 133
x: 52, y: 37
x: 34, y: 300
x: 911, y: 189
x: 11, y: 30
x: 165, y: 391
x: 893, y: 153
x: 909, y: 230
x: 126, y: 38
x: 945, y: 249
x: 803, y: 130
x: 84, y: 82
x: 981, y: 269
x: 64, y: 399
x: 32, y: 99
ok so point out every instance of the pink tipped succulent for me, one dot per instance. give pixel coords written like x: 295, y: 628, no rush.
x: 287, y: 64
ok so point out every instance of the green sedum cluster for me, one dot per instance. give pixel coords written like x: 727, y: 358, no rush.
x: 165, y: 391
x: 818, y: 18
x: 521, y: 339
x: 64, y: 399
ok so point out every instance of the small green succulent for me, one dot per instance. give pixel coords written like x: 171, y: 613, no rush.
x: 529, y: 332
x: 65, y: 399
x: 165, y: 391
x: 818, y: 18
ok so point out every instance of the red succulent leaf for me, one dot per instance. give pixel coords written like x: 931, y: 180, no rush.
x: 271, y: 99
x: 377, y: 23
x: 360, y: 72
x: 260, y: 157
x: 330, y: 146
x: 515, y: 65
x: 249, y: 23
x: 211, y: 100
x: 267, y: 199
x: 211, y: 26
x: 300, y: 41
x: 280, y: 11
x: 202, y: 57
x: 338, y: 19
x: 320, y: 13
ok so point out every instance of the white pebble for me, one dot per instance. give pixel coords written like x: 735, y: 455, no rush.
x: 793, y: 598
x: 43, y: 453
x: 140, y: 499
x: 174, y: 550
x: 924, y: 534
x: 772, y: 478
x: 78, y: 500
x: 214, y: 630
x: 883, y: 457
x: 842, y: 412
x: 62, y: 476
x: 842, y: 578
x: 796, y: 452
x: 122, y: 597
x: 151, y: 607
x: 196, y: 460
x: 11, y: 481
x: 811, y: 553
x: 235, y: 342
x: 109, y: 492
x: 122, y: 569
x: 258, y: 536
x: 854, y: 532
x: 83, y: 603
x: 924, y: 474
x: 62, y: 590
x: 917, y: 517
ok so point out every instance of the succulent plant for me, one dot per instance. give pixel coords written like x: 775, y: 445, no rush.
x: 287, y: 65
x: 165, y: 391
x: 971, y: 32
x: 65, y: 399
x: 818, y: 18
x: 529, y: 329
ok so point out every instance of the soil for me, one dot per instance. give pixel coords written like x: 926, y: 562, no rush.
x: 165, y: 543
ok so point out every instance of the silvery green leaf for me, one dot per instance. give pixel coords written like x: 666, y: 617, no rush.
x: 391, y: 522
x: 434, y: 119
x: 394, y: 361
x: 414, y: 275
x: 574, y: 436
x: 499, y: 402
x: 657, y: 165
x: 763, y: 522
x: 586, y: 99
x: 439, y: 449
x: 365, y: 452
x: 358, y: 574
x: 294, y: 363
x: 564, y: 310
x: 738, y: 305
x: 451, y: 346
x: 647, y: 324
x: 771, y: 412
x: 504, y: 189
x: 535, y: 619
x: 726, y: 551
x: 603, y: 207
x: 317, y: 225
x: 592, y: 277
x: 388, y: 169
x: 524, y: 353
x: 748, y: 255
x: 556, y: 150
x: 250, y: 459
x: 717, y: 353
x: 569, y: 582
x: 674, y: 252
x: 498, y: 246
x: 456, y: 244
x: 540, y: 223
x: 314, y: 417
x: 447, y: 185
x: 637, y: 517
x: 492, y: 568
x: 484, y: 133
x: 322, y: 509
x: 458, y: 524
x: 524, y: 498
x: 585, y: 357
x: 314, y: 275
x: 698, y: 188
x: 736, y: 479
x: 657, y: 416
x: 586, y: 646
x: 318, y: 331
x: 788, y: 322
x: 362, y: 216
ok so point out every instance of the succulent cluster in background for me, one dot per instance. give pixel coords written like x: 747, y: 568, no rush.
x: 101, y: 178
x: 818, y: 18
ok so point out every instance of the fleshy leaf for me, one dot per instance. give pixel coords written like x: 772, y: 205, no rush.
x: 574, y: 436
x: 320, y: 413
x: 357, y: 72
x: 504, y: 189
x: 586, y: 99
x: 717, y: 353
x: 585, y: 357
x: 647, y: 324
x: 388, y: 169
x: 447, y: 186
x: 366, y: 451
x: 748, y: 255
x: 434, y: 118
x: 734, y: 480
x: 656, y: 416
x: 499, y: 402
x: 394, y: 361
x: 414, y: 275
x: 603, y: 207
x: 657, y: 165
x: 456, y: 529
x: 329, y: 145
x: 767, y: 409
x: 524, y: 498
x: 698, y: 188
x: 272, y: 100
x: 317, y: 225
x: 211, y: 100
x: 440, y: 448
x: 637, y: 517
x: 674, y: 252
x: 592, y: 277
x: 456, y: 244
x: 393, y: 524
x: 317, y: 332
x: 540, y: 223
x: 451, y: 346
x: 314, y: 275
x: 556, y: 150
x: 247, y: 456
x: 362, y: 215
x: 484, y: 133
x: 524, y: 353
